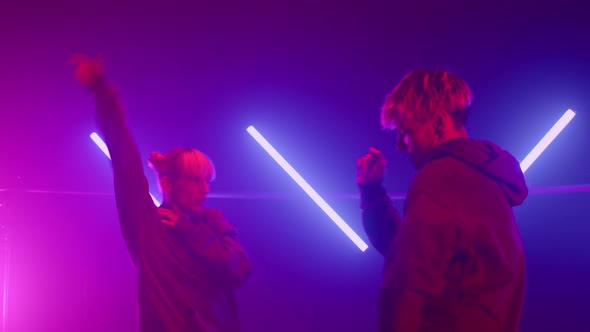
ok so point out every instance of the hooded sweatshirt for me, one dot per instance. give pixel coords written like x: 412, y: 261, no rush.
x: 188, y: 272
x: 455, y: 260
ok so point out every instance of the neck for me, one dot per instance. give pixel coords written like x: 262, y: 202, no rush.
x: 452, y: 134
x: 176, y: 208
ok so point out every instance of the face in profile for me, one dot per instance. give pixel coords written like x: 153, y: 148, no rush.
x: 426, y: 107
x: 189, y: 191
x: 187, y: 186
x: 416, y: 138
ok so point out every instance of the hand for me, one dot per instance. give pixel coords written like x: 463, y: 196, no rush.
x: 370, y: 167
x: 89, y: 72
x: 168, y: 217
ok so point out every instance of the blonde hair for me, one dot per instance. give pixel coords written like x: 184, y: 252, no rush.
x: 422, y: 94
x: 182, y: 162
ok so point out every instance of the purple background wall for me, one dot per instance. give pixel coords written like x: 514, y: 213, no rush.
x: 311, y: 76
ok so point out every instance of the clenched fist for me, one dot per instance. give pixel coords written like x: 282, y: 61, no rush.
x: 89, y: 71
x: 370, y: 167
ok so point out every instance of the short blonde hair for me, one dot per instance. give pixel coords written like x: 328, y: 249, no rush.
x: 182, y: 162
x: 422, y: 94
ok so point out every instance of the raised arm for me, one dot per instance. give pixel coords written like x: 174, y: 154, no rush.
x: 381, y: 220
x: 131, y: 186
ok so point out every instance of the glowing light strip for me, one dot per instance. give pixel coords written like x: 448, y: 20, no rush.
x: 546, y: 140
x: 101, y: 144
x: 307, y: 188
x: 103, y: 147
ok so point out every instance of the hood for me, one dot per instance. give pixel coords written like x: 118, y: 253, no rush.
x: 491, y: 160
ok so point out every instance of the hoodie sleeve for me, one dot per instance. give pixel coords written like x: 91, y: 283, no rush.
x: 216, y: 243
x: 131, y: 186
x: 381, y: 220
x: 418, y: 270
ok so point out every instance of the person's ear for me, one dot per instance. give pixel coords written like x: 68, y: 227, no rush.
x: 439, y: 124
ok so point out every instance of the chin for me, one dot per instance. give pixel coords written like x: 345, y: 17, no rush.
x: 194, y: 209
x: 197, y: 208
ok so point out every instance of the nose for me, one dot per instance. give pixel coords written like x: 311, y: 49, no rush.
x: 204, y: 187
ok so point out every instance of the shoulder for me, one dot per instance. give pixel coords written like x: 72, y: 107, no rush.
x: 217, y: 220
x: 447, y: 181
x: 213, y: 215
x: 439, y: 173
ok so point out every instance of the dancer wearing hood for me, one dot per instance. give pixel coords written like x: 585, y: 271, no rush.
x: 454, y: 261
